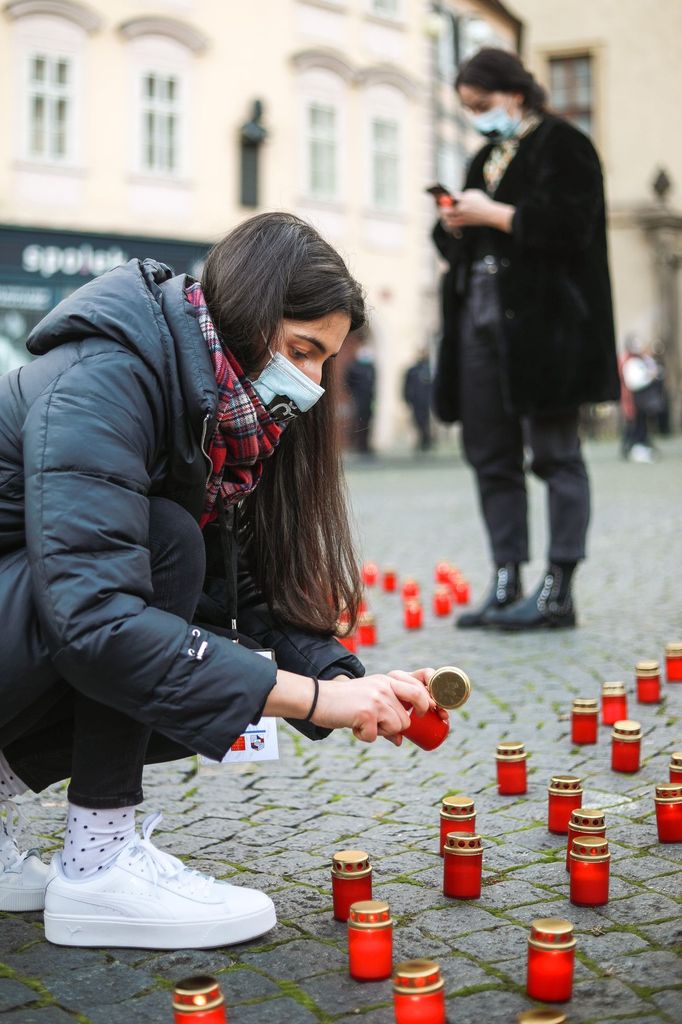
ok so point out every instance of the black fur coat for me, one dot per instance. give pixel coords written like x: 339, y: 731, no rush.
x: 558, y: 335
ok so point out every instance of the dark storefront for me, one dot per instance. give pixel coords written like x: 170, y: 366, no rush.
x: 38, y: 268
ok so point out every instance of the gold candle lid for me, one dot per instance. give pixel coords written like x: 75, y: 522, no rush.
x: 417, y: 977
x: 511, y: 752
x: 350, y: 864
x: 674, y: 650
x: 457, y: 807
x: 541, y: 1017
x: 197, y: 994
x: 463, y: 843
x: 369, y: 914
x: 627, y: 730
x: 565, y: 785
x: 616, y: 689
x: 647, y: 668
x: 551, y: 933
x: 366, y: 619
x: 450, y: 687
x: 590, y: 848
x: 585, y: 706
x: 676, y: 759
x: 669, y: 793
x: 587, y: 817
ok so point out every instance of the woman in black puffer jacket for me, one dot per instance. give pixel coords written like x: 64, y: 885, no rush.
x: 169, y: 483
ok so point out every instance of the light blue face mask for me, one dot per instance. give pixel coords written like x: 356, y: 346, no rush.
x: 283, y: 389
x: 496, y: 123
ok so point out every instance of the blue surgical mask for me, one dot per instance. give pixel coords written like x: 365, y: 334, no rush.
x: 284, y: 390
x: 496, y: 123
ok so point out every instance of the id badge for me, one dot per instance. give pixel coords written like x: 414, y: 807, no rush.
x: 257, y: 742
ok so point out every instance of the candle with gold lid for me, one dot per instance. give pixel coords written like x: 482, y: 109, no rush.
x: 370, y: 940
x: 614, y: 704
x: 410, y: 589
x: 442, y: 601
x: 418, y: 993
x: 648, y: 675
x: 457, y: 814
x: 367, y: 630
x: 462, y: 865
x: 584, y: 821
x: 673, y: 662
x: 510, y: 760
x: 626, y: 740
x: 584, y: 718
x: 413, y: 615
x: 675, y: 766
x: 551, y: 954
x: 590, y: 859
x: 668, y: 801
x: 443, y: 571
x: 390, y: 580
x: 565, y: 795
x: 198, y: 1000
x: 450, y: 687
x: 351, y: 880
x: 541, y: 1017
x: 370, y: 573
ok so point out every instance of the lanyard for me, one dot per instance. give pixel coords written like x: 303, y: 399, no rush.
x: 228, y: 541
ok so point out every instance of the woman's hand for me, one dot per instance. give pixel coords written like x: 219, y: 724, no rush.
x: 372, y: 706
x: 475, y: 209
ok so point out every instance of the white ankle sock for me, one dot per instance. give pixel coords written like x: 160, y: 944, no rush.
x: 93, y: 839
x: 10, y: 783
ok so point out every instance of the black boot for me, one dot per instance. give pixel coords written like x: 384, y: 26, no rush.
x: 549, y: 607
x: 505, y: 589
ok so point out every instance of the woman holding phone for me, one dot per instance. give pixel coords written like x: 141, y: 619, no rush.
x: 527, y: 329
x: 171, y: 498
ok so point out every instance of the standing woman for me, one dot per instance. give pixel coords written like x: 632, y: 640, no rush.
x: 165, y: 421
x: 527, y: 329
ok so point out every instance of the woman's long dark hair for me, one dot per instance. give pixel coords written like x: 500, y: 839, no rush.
x: 501, y: 71
x: 294, y: 526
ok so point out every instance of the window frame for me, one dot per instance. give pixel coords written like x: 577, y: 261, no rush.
x: 51, y: 94
x: 574, y: 111
x: 160, y: 110
x: 391, y: 204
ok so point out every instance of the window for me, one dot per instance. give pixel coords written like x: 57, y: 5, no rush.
x: 322, y: 151
x: 160, y: 123
x: 385, y: 8
x: 570, y: 83
x: 50, y: 107
x: 385, y: 143
x: 446, y: 47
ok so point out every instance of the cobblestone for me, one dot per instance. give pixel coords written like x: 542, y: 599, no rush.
x: 276, y: 825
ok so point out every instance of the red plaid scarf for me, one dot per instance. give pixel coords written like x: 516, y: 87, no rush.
x: 245, y: 434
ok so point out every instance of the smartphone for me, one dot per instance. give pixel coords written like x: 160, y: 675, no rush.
x: 442, y: 195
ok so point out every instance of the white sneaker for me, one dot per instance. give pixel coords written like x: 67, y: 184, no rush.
x: 641, y: 453
x: 23, y: 876
x: 147, y: 899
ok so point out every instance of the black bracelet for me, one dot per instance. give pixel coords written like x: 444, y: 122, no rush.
x: 310, y: 714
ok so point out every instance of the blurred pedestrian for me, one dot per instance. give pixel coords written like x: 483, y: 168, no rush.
x: 642, y: 399
x: 139, y: 454
x: 360, y: 381
x: 417, y: 395
x: 527, y: 328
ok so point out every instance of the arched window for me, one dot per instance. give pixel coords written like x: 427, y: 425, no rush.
x: 322, y: 134
x: 386, y: 124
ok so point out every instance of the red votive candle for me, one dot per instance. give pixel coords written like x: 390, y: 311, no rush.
x: 457, y: 814
x: 648, y: 675
x: 590, y: 859
x: 673, y: 662
x: 510, y: 759
x: 626, y: 742
x: 442, y: 601
x: 198, y: 1000
x: 370, y: 573
x: 585, y: 821
x: 409, y: 589
x: 413, y: 616
x: 367, y: 630
x: 541, y: 1017
x: 565, y: 795
x: 551, y: 952
x: 462, y: 865
x: 461, y: 590
x: 669, y: 812
x: 443, y: 571
x: 450, y: 688
x: 614, y: 704
x: 349, y: 641
x: 584, y: 720
x: 351, y: 880
x: 370, y: 941
x: 418, y: 993
x: 675, y: 766
x: 390, y: 580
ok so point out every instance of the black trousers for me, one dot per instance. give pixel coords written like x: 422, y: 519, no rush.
x: 495, y: 439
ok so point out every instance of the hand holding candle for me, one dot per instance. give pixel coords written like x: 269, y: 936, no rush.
x: 448, y: 688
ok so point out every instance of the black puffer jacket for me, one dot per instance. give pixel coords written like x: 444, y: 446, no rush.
x: 114, y: 412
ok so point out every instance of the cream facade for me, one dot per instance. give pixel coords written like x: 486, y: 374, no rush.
x: 127, y: 123
x: 630, y: 83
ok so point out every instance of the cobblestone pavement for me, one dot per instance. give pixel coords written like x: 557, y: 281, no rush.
x: 276, y: 825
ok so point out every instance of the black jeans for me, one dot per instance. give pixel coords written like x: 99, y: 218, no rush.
x: 103, y: 750
x: 494, y: 439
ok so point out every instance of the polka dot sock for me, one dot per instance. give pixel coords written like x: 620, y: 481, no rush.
x: 94, y: 838
x: 10, y: 783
